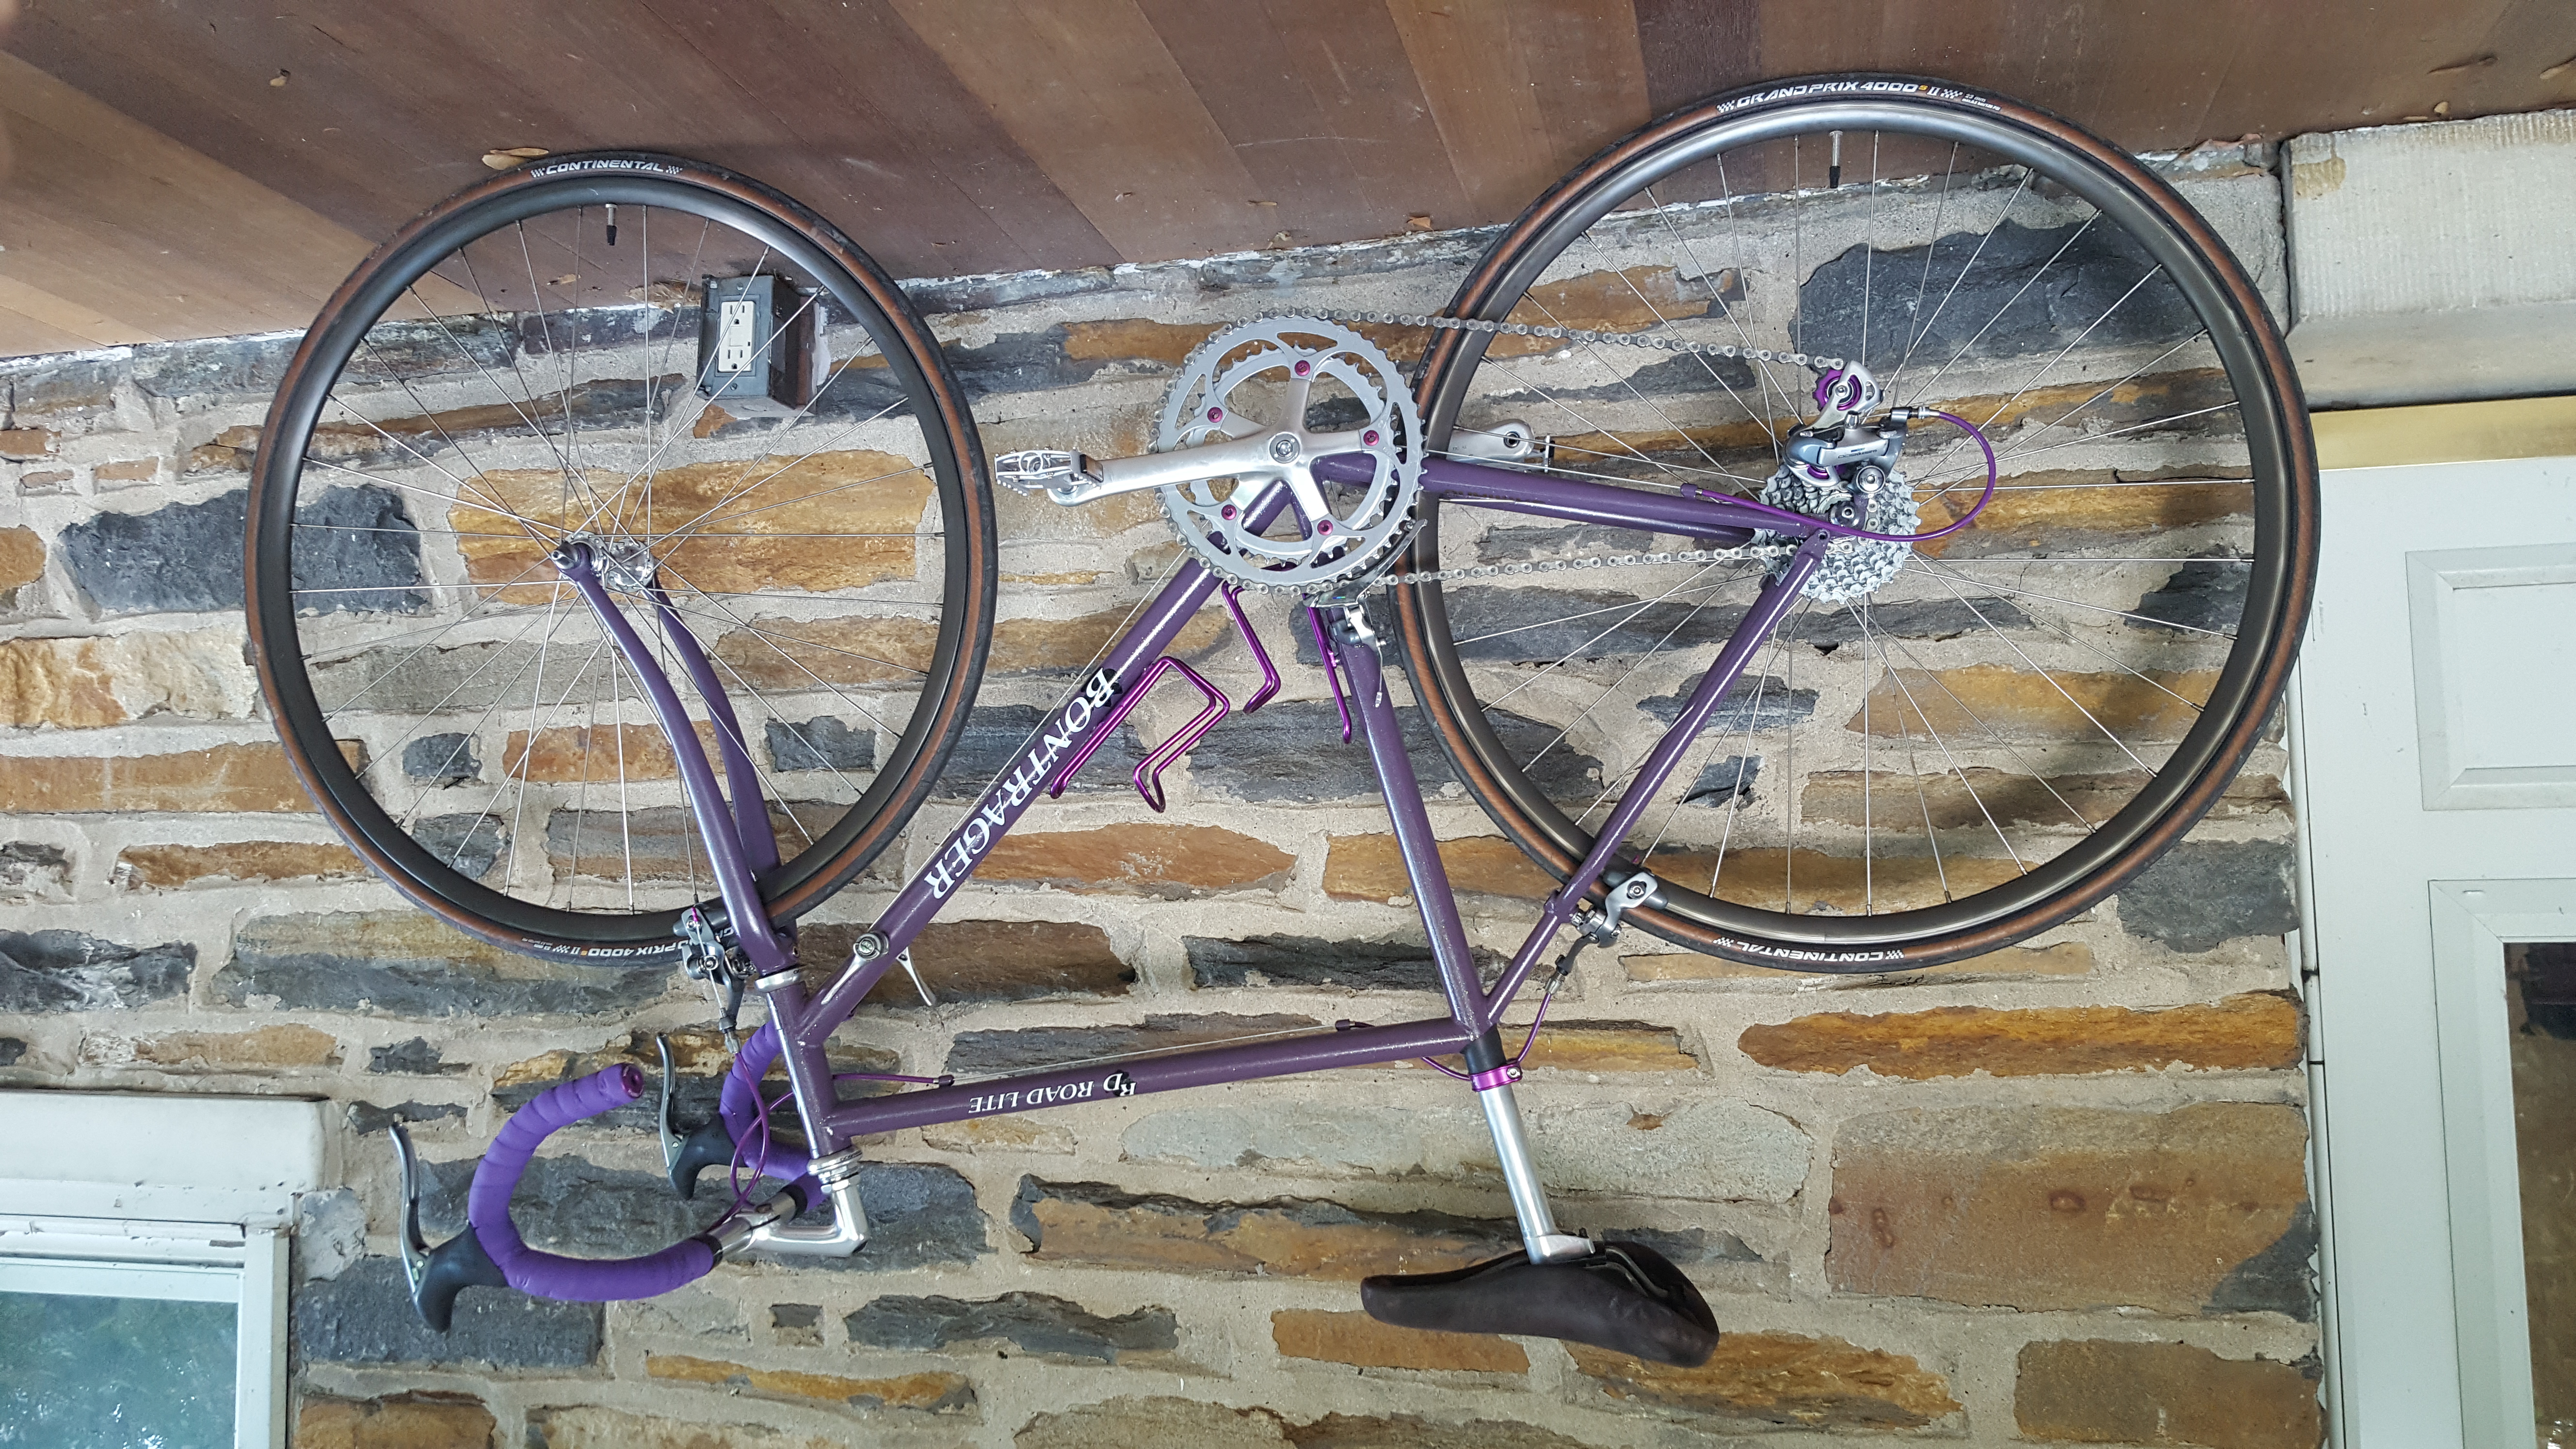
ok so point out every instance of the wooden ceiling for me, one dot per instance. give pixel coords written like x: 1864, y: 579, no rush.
x: 214, y: 167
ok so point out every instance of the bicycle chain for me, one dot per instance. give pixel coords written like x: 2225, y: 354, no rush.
x: 1348, y: 592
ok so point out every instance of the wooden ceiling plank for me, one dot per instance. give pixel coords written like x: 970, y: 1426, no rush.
x: 1482, y: 94
x: 79, y: 163
x: 1087, y: 88
x: 331, y: 137
x: 1353, y: 62
x: 32, y: 315
x: 1587, y: 72
x: 1693, y: 49
x: 1236, y: 63
x: 888, y: 143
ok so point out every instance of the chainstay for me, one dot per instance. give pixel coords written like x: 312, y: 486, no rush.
x: 1350, y: 590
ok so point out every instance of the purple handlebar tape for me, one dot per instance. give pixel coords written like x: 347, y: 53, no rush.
x: 547, y: 1275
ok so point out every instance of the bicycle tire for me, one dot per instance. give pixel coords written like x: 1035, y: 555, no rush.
x: 425, y: 373
x: 1604, y: 214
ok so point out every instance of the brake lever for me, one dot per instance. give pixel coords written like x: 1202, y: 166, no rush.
x: 415, y: 1248
x: 670, y: 1139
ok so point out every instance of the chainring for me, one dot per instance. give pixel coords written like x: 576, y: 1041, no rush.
x: 1279, y: 376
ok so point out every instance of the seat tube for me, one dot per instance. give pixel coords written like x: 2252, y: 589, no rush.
x: 1355, y: 646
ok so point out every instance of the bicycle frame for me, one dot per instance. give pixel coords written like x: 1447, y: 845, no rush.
x: 739, y: 841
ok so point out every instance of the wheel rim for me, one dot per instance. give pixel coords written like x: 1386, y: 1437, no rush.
x: 1605, y: 222
x: 500, y: 377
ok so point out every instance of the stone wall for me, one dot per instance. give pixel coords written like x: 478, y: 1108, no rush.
x: 2055, y: 1194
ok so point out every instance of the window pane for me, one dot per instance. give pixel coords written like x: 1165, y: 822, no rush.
x: 2541, y: 1002
x: 115, y: 1373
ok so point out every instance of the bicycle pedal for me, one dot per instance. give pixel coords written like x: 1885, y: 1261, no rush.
x: 1043, y: 470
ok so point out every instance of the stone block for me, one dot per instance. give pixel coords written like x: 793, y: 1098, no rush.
x: 366, y: 1117
x: 245, y: 778
x: 45, y: 482
x: 655, y: 843
x: 1037, y: 1325
x: 12, y: 1051
x: 1398, y: 965
x: 1128, y: 1423
x: 245, y: 369
x: 443, y: 759
x: 572, y: 754
x: 364, y: 1316
x: 821, y: 743
x: 817, y: 522
x: 28, y: 445
x: 2203, y: 892
x: 70, y: 971
x: 1896, y: 804
x: 31, y: 871
x: 407, y: 963
x: 1370, y: 868
x: 797, y: 1325
x: 187, y: 557
x: 1843, y: 884
x: 981, y: 1053
x: 1601, y: 1046
x: 416, y: 1057
x: 1718, y: 1150
x: 1134, y: 339
x: 2083, y: 507
x: 57, y: 389
x: 985, y: 961
x: 2065, y: 958
x: 2106, y: 1392
x: 1789, y: 1380
x: 89, y: 683
x: 997, y: 1134
x: 1995, y: 701
x: 1357, y: 1339
x: 1096, y: 1224
x: 22, y: 558
x: 1169, y: 862
x: 1410, y: 1431
x: 283, y: 1047
x: 2184, y: 1212
x: 997, y: 737
x: 1292, y: 751
x: 396, y: 1421
x: 931, y: 1392
x: 168, y: 867
x: 2249, y: 1032
x: 592, y: 1426
x: 127, y: 470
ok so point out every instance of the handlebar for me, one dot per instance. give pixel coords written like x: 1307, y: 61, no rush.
x: 491, y: 1253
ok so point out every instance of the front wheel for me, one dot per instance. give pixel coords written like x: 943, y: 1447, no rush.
x: 1990, y: 732
x: 523, y: 366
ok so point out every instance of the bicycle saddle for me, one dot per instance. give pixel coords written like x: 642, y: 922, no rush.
x: 1621, y: 1296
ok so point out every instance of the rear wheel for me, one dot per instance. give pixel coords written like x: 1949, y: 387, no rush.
x: 521, y: 365
x: 2017, y: 718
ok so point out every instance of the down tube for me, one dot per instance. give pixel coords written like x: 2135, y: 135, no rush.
x: 1059, y: 740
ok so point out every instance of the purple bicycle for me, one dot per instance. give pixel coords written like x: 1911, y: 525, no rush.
x: 1848, y: 525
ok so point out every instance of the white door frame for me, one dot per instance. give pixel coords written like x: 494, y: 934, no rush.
x: 2473, y: 921
x: 2395, y: 1085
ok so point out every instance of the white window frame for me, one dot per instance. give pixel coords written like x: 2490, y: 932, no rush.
x: 165, y: 1196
